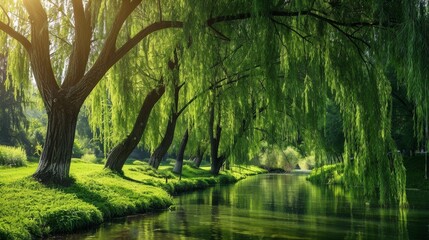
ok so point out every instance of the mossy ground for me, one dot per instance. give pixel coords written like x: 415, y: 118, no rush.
x: 29, y: 209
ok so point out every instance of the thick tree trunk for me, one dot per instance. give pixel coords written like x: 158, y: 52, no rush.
x: 216, y: 165
x: 54, y: 164
x: 161, y: 150
x: 179, y: 161
x: 216, y: 161
x: 198, y: 158
x: 119, y: 154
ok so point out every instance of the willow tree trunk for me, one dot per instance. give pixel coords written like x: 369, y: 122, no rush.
x: 54, y: 164
x: 216, y: 165
x: 161, y: 150
x: 198, y: 158
x: 216, y: 161
x: 179, y: 161
x: 119, y: 154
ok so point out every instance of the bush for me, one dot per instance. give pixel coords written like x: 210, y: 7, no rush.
x: 12, y: 156
x: 91, y: 158
x: 328, y: 174
x: 77, y: 149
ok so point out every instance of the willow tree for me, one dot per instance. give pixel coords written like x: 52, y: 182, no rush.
x: 320, y: 46
x: 174, y: 113
x: 119, y: 153
x: 406, y: 52
x: 12, y: 119
x: 70, y: 46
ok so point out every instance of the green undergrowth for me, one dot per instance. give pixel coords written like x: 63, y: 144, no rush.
x: 415, y: 172
x: 328, y: 174
x: 30, y: 210
x: 12, y: 156
x: 191, y: 179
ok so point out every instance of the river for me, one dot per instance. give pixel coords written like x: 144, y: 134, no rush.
x: 272, y: 207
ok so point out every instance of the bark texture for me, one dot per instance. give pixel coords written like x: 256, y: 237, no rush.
x: 54, y: 164
x: 119, y: 154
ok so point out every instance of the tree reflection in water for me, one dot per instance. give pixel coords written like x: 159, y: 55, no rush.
x: 274, y: 207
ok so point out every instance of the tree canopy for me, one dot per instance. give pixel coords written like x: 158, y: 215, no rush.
x: 258, y: 70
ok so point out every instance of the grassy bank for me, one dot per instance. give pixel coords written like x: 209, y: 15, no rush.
x: 415, y: 170
x: 29, y: 209
x: 328, y: 174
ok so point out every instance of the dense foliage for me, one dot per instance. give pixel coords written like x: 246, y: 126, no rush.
x: 238, y: 72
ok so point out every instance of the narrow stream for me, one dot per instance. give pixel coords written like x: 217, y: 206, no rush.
x: 272, y: 207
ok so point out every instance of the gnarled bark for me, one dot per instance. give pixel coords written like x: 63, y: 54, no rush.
x: 63, y: 102
x: 119, y: 154
x: 54, y: 164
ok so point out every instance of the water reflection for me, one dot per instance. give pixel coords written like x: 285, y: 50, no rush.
x: 273, y: 207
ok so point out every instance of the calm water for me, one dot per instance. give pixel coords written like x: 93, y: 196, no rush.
x: 273, y: 207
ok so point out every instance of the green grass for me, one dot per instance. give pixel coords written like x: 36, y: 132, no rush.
x: 29, y: 209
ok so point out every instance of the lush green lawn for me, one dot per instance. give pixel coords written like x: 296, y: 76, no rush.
x: 29, y: 209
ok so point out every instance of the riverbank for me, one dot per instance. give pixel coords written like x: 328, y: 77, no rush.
x: 29, y: 209
x: 415, y: 171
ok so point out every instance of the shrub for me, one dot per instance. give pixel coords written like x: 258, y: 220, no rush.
x: 12, y: 156
x: 77, y: 149
x: 91, y: 158
x: 328, y: 174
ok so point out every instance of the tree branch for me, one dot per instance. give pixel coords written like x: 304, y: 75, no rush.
x: 157, y: 26
x: 227, y: 18
x: 290, y: 28
x: 109, y: 47
x: 5, y: 13
x: 81, y: 46
x: 39, y: 53
x: 14, y: 34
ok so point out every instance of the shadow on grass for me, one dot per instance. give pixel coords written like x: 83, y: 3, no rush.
x: 114, y: 200
x: 130, y: 179
x: 86, y: 194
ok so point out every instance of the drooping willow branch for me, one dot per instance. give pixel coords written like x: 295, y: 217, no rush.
x: 5, y: 27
